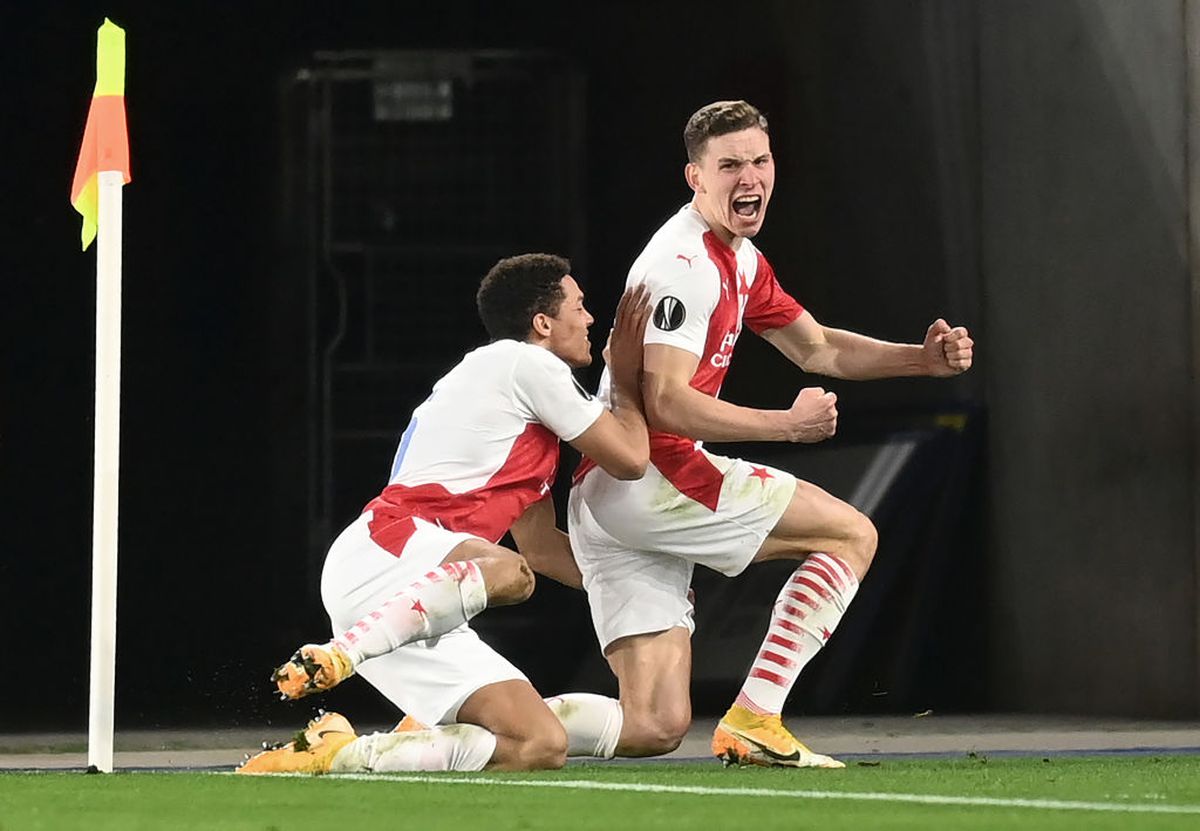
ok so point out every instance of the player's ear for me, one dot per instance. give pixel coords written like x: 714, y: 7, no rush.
x: 691, y: 172
x: 540, y: 325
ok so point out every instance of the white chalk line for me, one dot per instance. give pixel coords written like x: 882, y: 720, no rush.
x: 771, y: 793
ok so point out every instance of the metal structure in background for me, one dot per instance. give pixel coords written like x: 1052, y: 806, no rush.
x: 418, y: 170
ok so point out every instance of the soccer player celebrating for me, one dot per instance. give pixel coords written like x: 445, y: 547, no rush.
x: 400, y: 583
x: 637, y: 542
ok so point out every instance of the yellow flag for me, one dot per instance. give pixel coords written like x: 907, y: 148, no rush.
x: 105, y: 140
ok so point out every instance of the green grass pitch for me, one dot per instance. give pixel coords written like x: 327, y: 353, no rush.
x: 1117, y: 792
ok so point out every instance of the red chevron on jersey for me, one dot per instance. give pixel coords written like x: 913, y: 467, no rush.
x: 487, y: 512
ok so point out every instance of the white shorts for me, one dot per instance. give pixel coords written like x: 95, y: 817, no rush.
x: 637, y: 542
x: 430, y: 679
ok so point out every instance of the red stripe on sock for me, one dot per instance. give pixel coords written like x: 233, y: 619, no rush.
x: 825, y: 574
x: 794, y: 612
x: 841, y: 566
x: 805, y: 599
x: 746, y: 701
x: 779, y: 640
x: 783, y: 623
x: 783, y: 661
x: 821, y: 591
x: 767, y: 675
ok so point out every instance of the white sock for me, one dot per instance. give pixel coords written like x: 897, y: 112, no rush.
x: 808, y: 609
x: 442, y: 600
x: 453, y: 747
x: 593, y: 723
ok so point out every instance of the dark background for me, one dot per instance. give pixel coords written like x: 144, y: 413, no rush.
x: 1018, y: 167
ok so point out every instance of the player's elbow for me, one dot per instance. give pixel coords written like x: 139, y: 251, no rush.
x: 628, y: 466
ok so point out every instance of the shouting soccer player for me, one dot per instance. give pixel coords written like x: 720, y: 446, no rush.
x: 637, y: 542
x: 400, y: 583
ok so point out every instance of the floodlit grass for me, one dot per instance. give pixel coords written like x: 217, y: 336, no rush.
x: 1060, y: 793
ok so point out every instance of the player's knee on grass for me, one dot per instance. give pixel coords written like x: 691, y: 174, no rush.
x: 509, y: 580
x: 653, y: 733
x: 543, y: 749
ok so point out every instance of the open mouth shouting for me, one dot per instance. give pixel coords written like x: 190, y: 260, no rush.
x: 748, y: 207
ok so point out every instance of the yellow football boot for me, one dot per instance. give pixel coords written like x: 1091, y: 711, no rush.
x: 746, y: 738
x: 311, y: 751
x: 314, y: 668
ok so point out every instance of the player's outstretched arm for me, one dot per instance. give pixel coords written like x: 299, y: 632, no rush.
x: 945, y: 351
x: 618, y: 441
x: 673, y: 405
x: 544, y: 546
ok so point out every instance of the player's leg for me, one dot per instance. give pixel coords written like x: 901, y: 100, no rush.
x: 592, y: 723
x: 835, y: 544
x: 643, y: 621
x: 472, y: 577
x: 468, y: 576
x: 816, y: 521
x: 481, y: 711
x: 654, y: 673
x: 528, y: 735
x: 501, y: 726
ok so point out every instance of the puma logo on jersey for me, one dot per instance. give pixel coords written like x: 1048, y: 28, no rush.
x: 686, y: 259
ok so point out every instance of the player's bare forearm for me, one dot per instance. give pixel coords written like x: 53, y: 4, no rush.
x: 675, y: 407
x: 857, y: 357
x: 618, y: 440
x: 552, y: 558
x: 838, y: 353
x: 627, y: 408
x: 544, y: 546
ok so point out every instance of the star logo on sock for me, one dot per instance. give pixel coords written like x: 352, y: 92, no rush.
x: 419, y: 609
x: 760, y: 473
x: 825, y: 633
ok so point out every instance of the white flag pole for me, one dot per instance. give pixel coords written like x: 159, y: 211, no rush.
x: 108, y: 442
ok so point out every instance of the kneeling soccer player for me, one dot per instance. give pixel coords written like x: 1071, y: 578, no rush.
x: 400, y: 583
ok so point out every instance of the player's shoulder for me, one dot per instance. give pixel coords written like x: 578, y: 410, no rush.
x: 494, y: 362
x: 495, y: 353
x: 676, y: 251
x: 512, y: 365
x: 679, y: 238
x: 532, y: 362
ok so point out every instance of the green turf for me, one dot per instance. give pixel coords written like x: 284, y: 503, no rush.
x: 128, y: 801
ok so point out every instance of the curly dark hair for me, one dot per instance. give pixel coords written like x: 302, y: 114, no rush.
x: 717, y: 119
x: 516, y: 289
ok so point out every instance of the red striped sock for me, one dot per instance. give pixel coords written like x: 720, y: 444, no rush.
x: 443, y: 599
x: 806, y: 612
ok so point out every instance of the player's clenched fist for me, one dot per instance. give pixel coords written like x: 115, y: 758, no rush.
x: 812, y: 416
x: 948, y: 351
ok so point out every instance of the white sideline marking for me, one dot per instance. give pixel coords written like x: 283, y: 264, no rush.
x: 695, y: 790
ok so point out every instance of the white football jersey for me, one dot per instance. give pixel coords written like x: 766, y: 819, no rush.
x: 702, y: 291
x: 483, y: 446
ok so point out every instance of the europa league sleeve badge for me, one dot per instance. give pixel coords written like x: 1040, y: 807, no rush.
x: 669, y: 314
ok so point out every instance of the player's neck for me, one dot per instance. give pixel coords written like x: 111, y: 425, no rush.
x: 723, y: 234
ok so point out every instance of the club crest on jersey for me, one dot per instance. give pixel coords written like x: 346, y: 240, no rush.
x: 669, y: 314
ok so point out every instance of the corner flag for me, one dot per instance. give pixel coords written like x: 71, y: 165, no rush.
x: 100, y: 175
x: 105, y: 140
